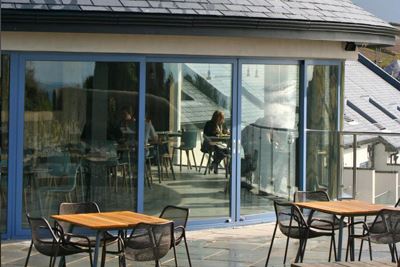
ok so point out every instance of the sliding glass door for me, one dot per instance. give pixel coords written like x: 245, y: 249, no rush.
x: 269, y: 135
x: 188, y: 138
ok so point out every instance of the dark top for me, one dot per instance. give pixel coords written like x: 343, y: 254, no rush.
x: 211, y: 129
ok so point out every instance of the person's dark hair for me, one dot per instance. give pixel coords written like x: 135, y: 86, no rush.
x: 216, y: 115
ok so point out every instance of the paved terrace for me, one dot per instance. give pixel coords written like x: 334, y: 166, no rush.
x: 234, y: 247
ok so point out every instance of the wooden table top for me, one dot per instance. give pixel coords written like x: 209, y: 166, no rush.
x: 109, y: 220
x: 344, y: 207
x: 381, y: 263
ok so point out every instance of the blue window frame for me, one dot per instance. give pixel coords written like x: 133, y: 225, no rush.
x: 17, y: 124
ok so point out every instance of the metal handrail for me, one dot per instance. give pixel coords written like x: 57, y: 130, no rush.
x: 384, y: 193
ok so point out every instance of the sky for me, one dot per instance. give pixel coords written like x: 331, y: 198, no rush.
x: 388, y: 10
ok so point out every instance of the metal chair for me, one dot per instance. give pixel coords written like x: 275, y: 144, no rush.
x: 188, y: 143
x: 90, y: 242
x: 292, y: 224
x: 306, y: 196
x: 150, y: 242
x: 52, y: 241
x: 179, y: 216
x: 385, y: 229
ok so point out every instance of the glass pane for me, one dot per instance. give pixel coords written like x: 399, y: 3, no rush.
x: 4, y: 100
x: 181, y: 100
x: 322, y: 140
x: 270, y: 99
x: 79, y: 134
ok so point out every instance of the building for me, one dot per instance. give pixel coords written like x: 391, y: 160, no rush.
x: 372, y: 116
x: 83, y: 81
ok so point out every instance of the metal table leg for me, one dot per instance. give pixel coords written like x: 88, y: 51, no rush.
x: 340, y: 240
x: 99, y: 234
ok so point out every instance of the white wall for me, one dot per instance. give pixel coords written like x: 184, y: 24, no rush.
x: 362, y: 156
x: 177, y: 45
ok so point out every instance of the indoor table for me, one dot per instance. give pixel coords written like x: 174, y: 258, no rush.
x: 343, y: 208
x: 107, y: 221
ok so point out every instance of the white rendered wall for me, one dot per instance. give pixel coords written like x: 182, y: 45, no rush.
x: 176, y: 45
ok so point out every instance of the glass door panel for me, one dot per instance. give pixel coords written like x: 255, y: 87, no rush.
x: 188, y: 144
x: 79, y: 135
x: 4, y: 108
x: 322, y: 138
x: 269, y: 134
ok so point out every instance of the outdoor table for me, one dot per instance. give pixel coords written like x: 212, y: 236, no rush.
x: 343, y: 208
x: 107, y: 221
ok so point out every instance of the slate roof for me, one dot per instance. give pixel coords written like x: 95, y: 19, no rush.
x: 368, y: 91
x: 336, y: 11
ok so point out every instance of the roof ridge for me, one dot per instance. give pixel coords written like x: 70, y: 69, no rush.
x: 379, y: 71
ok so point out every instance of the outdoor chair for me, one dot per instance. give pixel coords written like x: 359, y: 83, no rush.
x: 385, y: 229
x: 72, y: 175
x: 179, y: 216
x: 188, y: 143
x: 306, y: 196
x: 150, y: 242
x: 53, y: 242
x: 90, y: 241
x: 208, y: 150
x: 293, y: 225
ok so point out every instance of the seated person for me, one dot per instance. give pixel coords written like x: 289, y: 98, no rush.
x: 214, y: 128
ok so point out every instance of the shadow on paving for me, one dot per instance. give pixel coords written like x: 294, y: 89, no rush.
x: 223, y: 247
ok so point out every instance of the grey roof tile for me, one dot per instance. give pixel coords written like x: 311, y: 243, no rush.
x: 163, y: 4
x: 237, y: 8
x: 48, y: 2
x: 64, y: 7
x: 95, y: 8
x: 106, y: 3
x: 182, y: 11
x: 30, y: 6
x: 153, y: 10
x: 258, y: 9
x: 337, y: 11
x: 16, y: 1
x: 125, y: 9
x: 208, y: 12
x: 186, y: 5
x: 134, y: 3
x: 77, y: 2
x: 217, y: 7
x: 7, y: 5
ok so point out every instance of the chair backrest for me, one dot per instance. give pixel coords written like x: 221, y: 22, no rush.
x: 289, y: 218
x: 74, y: 208
x: 43, y: 236
x: 178, y: 215
x: 58, y: 163
x: 306, y: 196
x: 387, y: 222
x: 189, y: 139
x: 149, y: 241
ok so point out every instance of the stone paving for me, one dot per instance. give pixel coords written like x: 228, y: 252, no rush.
x: 243, y: 246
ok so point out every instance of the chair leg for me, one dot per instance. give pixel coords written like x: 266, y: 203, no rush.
x: 189, y: 165
x: 348, y: 248
x: 391, y: 251
x: 29, y: 254
x: 158, y: 263
x: 286, y: 249
x: 175, y: 258
x: 187, y: 250
x: 361, y: 247
x: 180, y: 160
x: 270, y: 247
x: 395, y: 251
x: 194, y: 160
x: 370, y: 249
x: 201, y: 162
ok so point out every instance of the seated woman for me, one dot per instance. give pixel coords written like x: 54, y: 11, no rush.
x: 213, y: 128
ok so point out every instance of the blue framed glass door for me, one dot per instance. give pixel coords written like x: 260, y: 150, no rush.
x: 76, y: 142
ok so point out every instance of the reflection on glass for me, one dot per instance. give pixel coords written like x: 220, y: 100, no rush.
x: 4, y: 100
x: 269, y: 134
x: 322, y: 144
x: 79, y: 134
x: 187, y: 162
